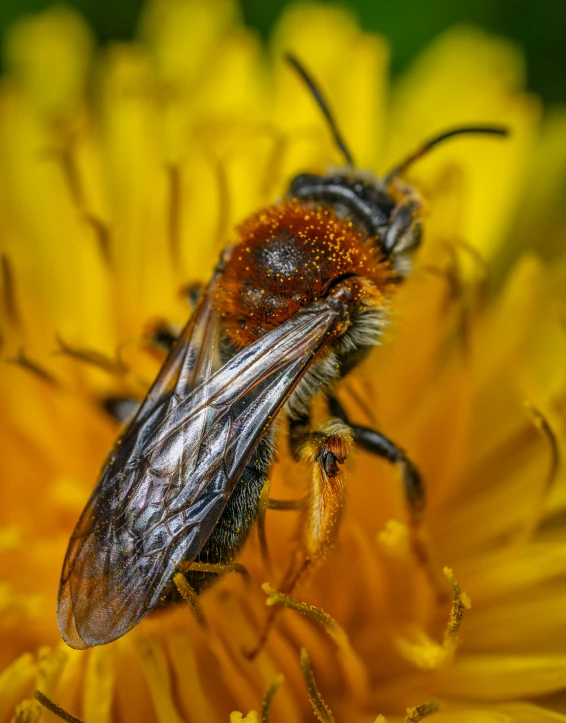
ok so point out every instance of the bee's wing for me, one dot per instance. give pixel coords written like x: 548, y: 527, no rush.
x: 192, y: 359
x: 166, y: 485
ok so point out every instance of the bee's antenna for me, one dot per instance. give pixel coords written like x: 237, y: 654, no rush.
x: 425, y: 148
x: 322, y: 104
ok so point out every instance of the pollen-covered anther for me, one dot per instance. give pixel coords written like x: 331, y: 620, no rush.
x: 237, y: 717
x: 427, y: 654
x: 418, y: 712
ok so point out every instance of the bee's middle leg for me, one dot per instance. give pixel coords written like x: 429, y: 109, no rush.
x: 377, y: 443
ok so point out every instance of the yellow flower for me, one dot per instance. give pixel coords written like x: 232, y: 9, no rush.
x: 121, y: 177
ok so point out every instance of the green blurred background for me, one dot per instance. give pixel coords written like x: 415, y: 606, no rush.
x: 539, y: 27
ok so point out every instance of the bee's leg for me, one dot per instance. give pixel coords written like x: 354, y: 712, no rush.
x: 377, y: 443
x: 188, y: 594
x: 215, y: 568
x: 268, y: 503
x: 160, y: 334
x: 299, y: 430
x: 321, y: 511
x: 261, y: 513
x: 285, y: 505
x: 122, y: 409
x: 405, y: 228
x: 321, y: 514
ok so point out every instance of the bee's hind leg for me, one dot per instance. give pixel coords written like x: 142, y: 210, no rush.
x: 321, y: 510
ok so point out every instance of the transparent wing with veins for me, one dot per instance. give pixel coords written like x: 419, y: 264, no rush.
x: 167, y: 482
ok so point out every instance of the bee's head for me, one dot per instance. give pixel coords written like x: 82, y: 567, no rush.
x: 387, y: 208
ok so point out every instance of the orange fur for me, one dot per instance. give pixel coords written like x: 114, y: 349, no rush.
x: 287, y: 256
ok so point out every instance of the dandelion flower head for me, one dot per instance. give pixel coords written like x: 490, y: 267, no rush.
x: 122, y: 175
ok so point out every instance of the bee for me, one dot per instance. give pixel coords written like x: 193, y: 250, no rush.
x: 292, y: 307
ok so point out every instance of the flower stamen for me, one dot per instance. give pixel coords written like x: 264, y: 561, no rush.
x: 92, y: 357
x: 543, y: 425
x: 399, y: 540
x: 424, y: 558
x: 224, y: 211
x: 354, y: 669
x: 174, y: 225
x: 427, y: 654
x: 33, y: 367
x: 9, y: 291
x: 69, y: 166
x: 321, y: 710
x: 460, y: 603
x: 54, y: 708
x: 276, y: 683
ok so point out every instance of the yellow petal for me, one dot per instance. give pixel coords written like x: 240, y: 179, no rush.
x: 528, y: 713
x: 99, y: 684
x: 496, y: 677
x: 49, y: 55
x: 16, y: 682
x: 506, y: 572
x: 158, y: 679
